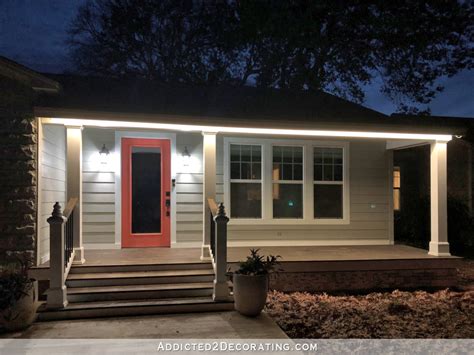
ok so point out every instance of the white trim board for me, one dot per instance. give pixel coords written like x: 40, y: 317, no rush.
x: 118, y: 170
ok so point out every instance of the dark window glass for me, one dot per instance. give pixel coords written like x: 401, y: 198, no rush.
x: 327, y: 201
x: 146, y: 190
x: 246, y: 200
x: 245, y: 162
x: 287, y: 201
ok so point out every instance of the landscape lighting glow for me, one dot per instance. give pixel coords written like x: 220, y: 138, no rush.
x: 246, y: 130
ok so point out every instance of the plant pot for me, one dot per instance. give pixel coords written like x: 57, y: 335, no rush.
x: 23, y: 313
x: 250, y: 294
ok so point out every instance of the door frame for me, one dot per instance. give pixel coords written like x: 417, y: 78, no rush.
x: 146, y: 239
x: 118, y: 178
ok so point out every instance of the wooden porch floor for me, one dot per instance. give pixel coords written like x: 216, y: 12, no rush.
x: 144, y: 256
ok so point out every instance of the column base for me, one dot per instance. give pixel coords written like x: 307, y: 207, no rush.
x: 56, y: 297
x: 205, y: 253
x: 79, y: 256
x: 439, y: 249
x: 221, y: 292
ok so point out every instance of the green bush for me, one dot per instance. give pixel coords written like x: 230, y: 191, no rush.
x: 14, y: 282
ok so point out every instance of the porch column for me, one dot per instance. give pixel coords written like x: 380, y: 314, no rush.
x: 439, y: 245
x: 74, y: 185
x: 208, y: 188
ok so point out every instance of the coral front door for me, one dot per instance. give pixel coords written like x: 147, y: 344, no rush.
x: 146, y: 180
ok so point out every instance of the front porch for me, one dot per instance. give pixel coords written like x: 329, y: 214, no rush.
x: 304, y: 268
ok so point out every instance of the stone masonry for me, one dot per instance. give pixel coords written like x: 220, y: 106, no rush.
x: 18, y: 169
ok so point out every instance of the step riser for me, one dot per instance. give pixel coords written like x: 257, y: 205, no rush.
x: 139, y: 281
x: 136, y: 295
x: 135, y: 311
x: 126, y: 268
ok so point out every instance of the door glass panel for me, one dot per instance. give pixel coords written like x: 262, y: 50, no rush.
x: 146, y: 190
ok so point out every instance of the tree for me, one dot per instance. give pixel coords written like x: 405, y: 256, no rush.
x: 336, y: 46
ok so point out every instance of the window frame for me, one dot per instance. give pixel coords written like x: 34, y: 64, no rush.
x: 329, y: 182
x: 290, y: 182
x: 267, y: 181
x: 243, y: 181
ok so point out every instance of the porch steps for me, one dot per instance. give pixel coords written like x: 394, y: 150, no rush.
x: 135, y: 308
x: 139, y: 277
x: 127, y: 290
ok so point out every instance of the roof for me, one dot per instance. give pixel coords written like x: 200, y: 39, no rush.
x: 35, y: 80
x: 146, y: 101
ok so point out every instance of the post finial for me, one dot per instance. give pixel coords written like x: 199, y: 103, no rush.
x: 221, y: 215
x: 56, y: 215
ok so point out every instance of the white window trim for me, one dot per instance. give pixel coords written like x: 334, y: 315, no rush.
x: 267, y: 181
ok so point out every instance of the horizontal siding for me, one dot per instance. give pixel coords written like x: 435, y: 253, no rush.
x: 52, y: 151
x: 98, y: 187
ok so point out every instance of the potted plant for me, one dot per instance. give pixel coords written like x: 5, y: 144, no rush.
x: 18, y: 296
x: 251, y: 282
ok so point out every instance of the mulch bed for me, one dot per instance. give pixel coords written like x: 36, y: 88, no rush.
x: 420, y: 314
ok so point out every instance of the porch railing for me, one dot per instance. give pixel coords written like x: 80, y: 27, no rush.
x: 61, y: 241
x: 218, y: 249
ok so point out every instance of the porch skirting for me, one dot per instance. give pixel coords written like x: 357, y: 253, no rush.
x: 383, y: 275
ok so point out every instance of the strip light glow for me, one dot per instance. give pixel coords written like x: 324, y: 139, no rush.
x: 247, y: 130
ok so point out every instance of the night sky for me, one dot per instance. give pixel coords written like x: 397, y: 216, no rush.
x: 34, y: 32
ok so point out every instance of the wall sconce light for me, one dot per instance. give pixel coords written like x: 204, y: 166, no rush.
x: 103, y: 153
x: 186, y: 156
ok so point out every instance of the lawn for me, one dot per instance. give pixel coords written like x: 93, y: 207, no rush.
x: 397, y: 314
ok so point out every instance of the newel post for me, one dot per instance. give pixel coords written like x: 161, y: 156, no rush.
x: 221, y: 289
x: 56, y: 294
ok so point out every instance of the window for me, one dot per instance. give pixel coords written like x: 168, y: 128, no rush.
x: 246, y: 181
x: 287, y: 182
x: 328, y: 182
x: 396, y: 188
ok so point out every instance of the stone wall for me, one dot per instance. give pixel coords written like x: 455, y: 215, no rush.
x: 18, y: 169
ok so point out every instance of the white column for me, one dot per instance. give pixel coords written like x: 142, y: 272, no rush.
x: 439, y: 245
x: 74, y: 185
x: 209, y: 187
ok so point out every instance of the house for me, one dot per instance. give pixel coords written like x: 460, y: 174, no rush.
x: 136, y: 171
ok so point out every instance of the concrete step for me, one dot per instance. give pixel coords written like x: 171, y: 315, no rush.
x: 139, y: 277
x: 133, y: 292
x: 134, y: 308
x: 87, y: 269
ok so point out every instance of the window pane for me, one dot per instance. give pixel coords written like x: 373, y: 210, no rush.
x: 287, y: 172
x: 276, y: 173
x: 146, y: 190
x: 245, y: 152
x: 277, y: 154
x: 256, y: 153
x: 327, y: 201
x: 318, y: 173
x: 318, y: 156
x: 327, y: 156
x: 332, y: 164
x: 298, y: 155
x: 337, y: 172
x: 235, y: 170
x: 256, y: 171
x: 234, y: 152
x: 298, y: 172
x: 287, y: 201
x: 246, y: 200
x: 327, y: 172
x: 245, y: 171
x: 287, y: 154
